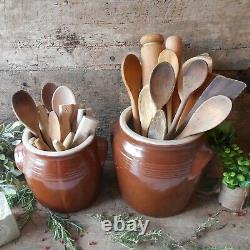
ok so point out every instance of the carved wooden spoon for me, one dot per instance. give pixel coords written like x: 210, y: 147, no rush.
x: 209, y: 115
x: 193, y: 78
x: 131, y: 72
x: 162, y: 84
x: 62, y: 95
x: 26, y: 112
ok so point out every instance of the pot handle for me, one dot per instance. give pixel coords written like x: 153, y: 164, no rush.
x: 19, y: 155
x: 102, y: 148
x: 202, y: 158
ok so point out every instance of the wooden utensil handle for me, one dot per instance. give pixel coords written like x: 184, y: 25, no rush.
x: 176, y: 118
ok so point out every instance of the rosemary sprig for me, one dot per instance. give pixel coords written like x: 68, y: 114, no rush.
x: 60, y: 225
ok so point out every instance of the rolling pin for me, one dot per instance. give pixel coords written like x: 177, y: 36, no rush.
x: 152, y: 46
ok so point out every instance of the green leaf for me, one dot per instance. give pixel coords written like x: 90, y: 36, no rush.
x: 2, y: 157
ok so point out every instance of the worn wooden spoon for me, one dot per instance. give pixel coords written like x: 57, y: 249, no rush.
x: 62, y: 95
x: 167, y: 55
x: 147, y: 109
x: 158, y: 126
x: 131, y: 72
x: 162, y: 84
x: 209, y: 115
x: 26, y: 112
x: 193, y: 78
x: 47, y: 93
x: 219, y: 86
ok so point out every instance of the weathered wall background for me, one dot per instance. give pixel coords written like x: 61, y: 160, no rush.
x: 80, y: 43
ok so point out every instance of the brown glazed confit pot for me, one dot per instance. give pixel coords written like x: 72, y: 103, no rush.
x: 65, y: 181
x: 156, y: 177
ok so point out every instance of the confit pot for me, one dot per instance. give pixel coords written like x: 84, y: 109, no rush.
x: 66, y: 181
x: 156, y: 178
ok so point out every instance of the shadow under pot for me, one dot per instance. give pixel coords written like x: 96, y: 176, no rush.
x: 65, y: 181
x: 156, y: 177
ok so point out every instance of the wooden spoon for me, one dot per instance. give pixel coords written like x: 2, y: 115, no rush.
x: 54, y: 127
x: 147, y: 109
x: 162, y: 84
x: 47, y: 93
x: 58, y: 145
x: 209, y: 115
x: 39, y: 144
x: 62, y: 95
x: 131, y: 72
x: 193, y: 78
x: 169, y: 56
x: 26, y: 112
x: 158, y: 126
x: 67, y: 143
x: 219, y: 86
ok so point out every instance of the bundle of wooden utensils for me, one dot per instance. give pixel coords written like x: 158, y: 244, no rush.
x: 57, y: 125
x: 171, y: 100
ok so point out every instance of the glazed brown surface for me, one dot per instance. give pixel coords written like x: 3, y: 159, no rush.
x: 64, y: 184
x: 157, y: 180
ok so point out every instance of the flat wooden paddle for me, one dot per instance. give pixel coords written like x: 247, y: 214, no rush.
x: 219, y: 86
x: 131, y: 72
x: 209, y: 114
x: 54, y: 127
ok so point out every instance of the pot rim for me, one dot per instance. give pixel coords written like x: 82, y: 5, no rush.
x: 27, y: 135
x: 126, y: 114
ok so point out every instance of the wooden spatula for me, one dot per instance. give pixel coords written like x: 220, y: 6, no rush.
x: 47, y: 93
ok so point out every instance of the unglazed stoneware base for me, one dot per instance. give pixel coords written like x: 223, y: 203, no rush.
x: 65, y: 181
x: 156, y: 178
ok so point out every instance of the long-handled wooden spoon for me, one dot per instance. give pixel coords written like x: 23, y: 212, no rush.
x: 47, y: 93
x: 193, y: 78
x: 26, y: 112
x: 169, y: 56
x: 62, y: 95
x: 131, y: 72
x: 209, y: 115
x: 219, y: 86
x: 158, y: 126
x: 147, y: 109
x: 162, y: 84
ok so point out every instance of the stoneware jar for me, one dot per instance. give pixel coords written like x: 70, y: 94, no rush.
x: 156, y: 178
x: 65, y: 181
x: 233, y: 199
